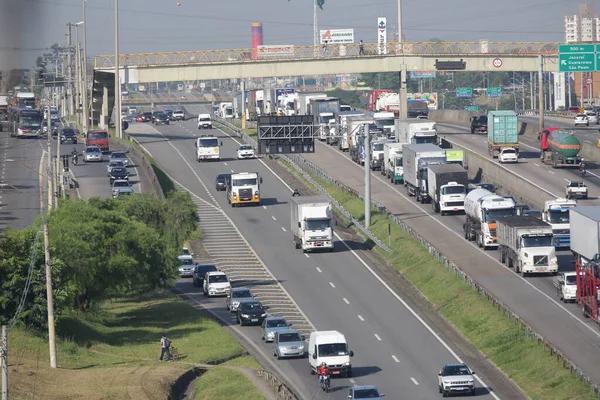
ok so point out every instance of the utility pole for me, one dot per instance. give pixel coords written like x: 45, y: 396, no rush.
x: 315, y: 30
x: 77, y: 76
x: 69, y: 71
x: 4, y: 360
x: 541, y: 92
x: 86, y: 119
x: 402, y: 93
x: 117, y: 119
x: 367, y: 146
x: 49, y: 295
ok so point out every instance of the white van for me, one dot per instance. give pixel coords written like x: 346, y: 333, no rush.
x: 330, y: 347
x: 216, y: 283
x: 204, y: 121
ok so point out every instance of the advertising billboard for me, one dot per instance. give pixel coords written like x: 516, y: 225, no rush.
x: 559, y: 90
x: 337, y: 36
x: 430, y: 98
x: 382, y: 35
x: 280, y: 92
x: 275, y: 51
x: 422, y: 74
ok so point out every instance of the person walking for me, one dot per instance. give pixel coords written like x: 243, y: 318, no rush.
x: 361, y: 49
x: 165, y: 343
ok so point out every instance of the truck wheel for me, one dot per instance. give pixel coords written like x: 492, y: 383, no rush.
x: 583, y: 312
x: 501, y: 256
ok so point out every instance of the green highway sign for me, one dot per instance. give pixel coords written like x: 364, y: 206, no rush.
x: 464, y: 92
x: 493, y: 92
x: 576, y: 48
x: 471, y: 108
x: 578, y: 57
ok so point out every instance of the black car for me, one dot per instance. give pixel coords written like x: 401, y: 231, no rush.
x: 251, y: 312
x: 145, y: 117
x: 118, y: 173
x: 222, y: 181
x: 68, y: 135
x: 169, y: 113
x: 161, y: 118
x: 479, y: 124
x: 199, y: 271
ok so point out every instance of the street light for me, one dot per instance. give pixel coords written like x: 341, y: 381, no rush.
x: 117, y: 110
x: 78, y: 74
x: 84, y: 84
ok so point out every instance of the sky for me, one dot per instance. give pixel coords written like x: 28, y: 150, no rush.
x: 162, y: 25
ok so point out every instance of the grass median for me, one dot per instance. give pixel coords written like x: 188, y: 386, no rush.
x: 112, y: 352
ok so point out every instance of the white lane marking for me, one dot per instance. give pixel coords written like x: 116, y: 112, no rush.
x: 552, y: 172
x: 274, y: 219
x: 283, y: 229
x: 331, y: 284
x: 537, y: 165
x: 417, y: 383
x: 587, y: 141
x: 232, y: 171
x: 567, y: 180
x: 395, y: 358
x: 265, y: 207
x: 361, y: 318
x: 346, y: 301
x: 320, y: 270
x: 377, y: 337
x: 306, y: 255
x: 224, y: 163
x: 352, y: 381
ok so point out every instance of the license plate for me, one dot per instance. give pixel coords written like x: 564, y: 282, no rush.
x: 294, y: 347
x: 254, y: 320
x: 336, y: 372
x: 319, y: 244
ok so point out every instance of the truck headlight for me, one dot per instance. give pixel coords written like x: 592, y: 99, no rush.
x: 554, y: 261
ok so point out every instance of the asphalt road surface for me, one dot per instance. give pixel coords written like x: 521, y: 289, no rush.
x: 394, y: 350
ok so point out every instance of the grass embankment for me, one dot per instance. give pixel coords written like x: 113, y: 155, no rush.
x: 225, y: 383
x: 113, y: 352
x: 501, y: 339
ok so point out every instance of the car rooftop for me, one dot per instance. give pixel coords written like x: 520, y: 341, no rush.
x: 359, y: 387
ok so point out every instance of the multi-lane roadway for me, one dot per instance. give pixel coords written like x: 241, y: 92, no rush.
x: 395, y: 348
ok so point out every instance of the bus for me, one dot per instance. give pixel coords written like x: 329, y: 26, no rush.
x: 24, y: 122
x: 26, y: 100
x: 97, y: 138
x: 207, y: 148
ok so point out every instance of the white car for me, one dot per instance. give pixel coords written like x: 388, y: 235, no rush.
x: 581, y: 119
x: 216, y: 283
x: 178, y: 115
x: 92, y: 153
x: 245, y: 151
x: 456, y: 378
x: 593, y: 118
x: 508, y: 155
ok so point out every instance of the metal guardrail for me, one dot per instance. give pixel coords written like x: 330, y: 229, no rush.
x: 295, y: 159
x: 528, y: 331
x: 291, y: 53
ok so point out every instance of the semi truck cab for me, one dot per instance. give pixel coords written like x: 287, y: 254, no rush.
x: 556, y: 213
x: 244, y: 188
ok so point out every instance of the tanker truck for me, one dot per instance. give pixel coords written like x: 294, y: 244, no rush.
x: 560, y: 148
x: 482, y: 209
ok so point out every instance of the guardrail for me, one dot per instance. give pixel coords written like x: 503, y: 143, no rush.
x: 451, y: 266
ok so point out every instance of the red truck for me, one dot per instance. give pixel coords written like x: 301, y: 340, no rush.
x: 372, y: 98
x: 98, y: 138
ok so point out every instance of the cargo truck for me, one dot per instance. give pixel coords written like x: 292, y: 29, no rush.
x: 415, y: 131
x: 417, y: 158
x: 585, y: 245
x: 311, y: 223
x: 447, y: 185
x: 339, y: 132
x: 503, y: 131
x: 525, y: 244
x: 556, y: 213
x: 372, y: 98
x: 244, y: 188
x: 455, y: 157
x: 482, y: 209
x: 392, y: 167
x: 377, y: 153
x: 355, y: 133
x: 560, y: 148
x: 304, y: 101
x: 387, y: 121
x: 323, y: 110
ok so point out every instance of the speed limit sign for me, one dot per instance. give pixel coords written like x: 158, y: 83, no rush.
x: 497, y: 62
x: 589, y: 81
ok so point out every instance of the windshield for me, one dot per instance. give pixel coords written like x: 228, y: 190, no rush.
x: 178, y: 112
x: 217, y: 279
x: 277, y: 323
x: 117, y: 155
x: 570, y: 280
x: 251, y: 306
x: 318, y: 224
x: 204, y: 119
x: 558, y: 217
x: 245, y: 147
x: 244, y: 182
x: 92, y: 150
x: 537, y: 241
x: 454, y: 190
x: 97, y: 135
x: 333, y: 349
x: 493, y: 215
x: 482, y: 119
x: 241, y: 293
x: 117, y: 171
x: 121, y: 184
x: 399, y: 162
x: 378, y: 147
x: 209, y: 142
x: 509, y: 151
x: 30, y: 121
x: 385, y: 122
x: 68, y: 132
x: 427, y: 139
x: 576, y: 184
x: 452, y: 370
x: 188, y: 261
x: 289, y: 337
x: 366, y: 394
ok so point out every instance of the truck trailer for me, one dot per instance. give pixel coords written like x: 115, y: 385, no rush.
x: 503, y: 131
x: 417, y: 158
x: 525, y: 244
x: 415, y: 131
x: 447, y: 185
x: 355, y: 137
x: 339, y: 131
x: 392, y: 167
x: 560, y: 148
x: 312, y: 223
x: 482, y: 209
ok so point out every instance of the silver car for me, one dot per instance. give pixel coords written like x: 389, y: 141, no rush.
x: 121, y: 187
x: 236, y: 296
x: 186, y: 268
x: 119, y: 156
x: 289, y: 343
x: 365, y: 392
x: 271, y: 325
x: 114, y: 163
x: 92, y: 154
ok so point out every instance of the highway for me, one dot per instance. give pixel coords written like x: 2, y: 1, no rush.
x: 533, y: 299
x: 394, y: 349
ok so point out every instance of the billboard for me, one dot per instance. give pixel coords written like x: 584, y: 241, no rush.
x: 280, y: 92
x: 337, y: 36
x: 422, y: 74
x: 559, y: 90
x: 430, y: 98
x: 382, y: 35
x: 275, y: 51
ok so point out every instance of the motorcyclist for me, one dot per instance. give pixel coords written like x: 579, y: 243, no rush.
x: 296, y: 193
x: 322, y: 371
x: 74, y: 155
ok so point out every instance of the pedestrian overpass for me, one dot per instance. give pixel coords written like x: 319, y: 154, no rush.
x: 334, y: 59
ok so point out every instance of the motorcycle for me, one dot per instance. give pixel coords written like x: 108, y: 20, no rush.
x: 296, y: 193
x: 326, y: 383
x: 74, y: 159
x: 582, y: 168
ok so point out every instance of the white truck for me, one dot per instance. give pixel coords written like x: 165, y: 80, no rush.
x: 417, y: 158
x: 566, y: 286
x: 304, y: 101
x: 339, y: 130
x: 312, y: 223
x: 556, y: 213
x: 207, y: 148
x: 387, y: 120
x: 482, y: 209
x: 416, y: 131
x: 355, y: 135
x: 525, y: 244
x: 244, y: 188
x: 392, y: 167
x: 447, y: 185
x: 226, y: 110
x: 377, y: 155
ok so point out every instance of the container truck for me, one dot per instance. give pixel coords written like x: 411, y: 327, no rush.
x: 311, y: 223
x: 585, y: 245
x: 417, y: 158
x: 323, y: 110
x: 392, y: 167
x: 387, y: 121
x: 482, y: 209
x: 304, y: 101
x: 556, y: 213
x: 355, y: 133
x: 447, y: 185
x: 372, y: 98
x: 339, y: 131
x: 525, y: 244
x: 415, y: 131
x: 560, y: 148
x: 503, y: 131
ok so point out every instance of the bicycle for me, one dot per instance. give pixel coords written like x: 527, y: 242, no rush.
x: 174, y: 353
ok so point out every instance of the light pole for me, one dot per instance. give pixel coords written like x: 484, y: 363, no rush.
x: 403, y: 72
x: 117, y: 111
x: 84, y: 67
x: 77, y: 73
